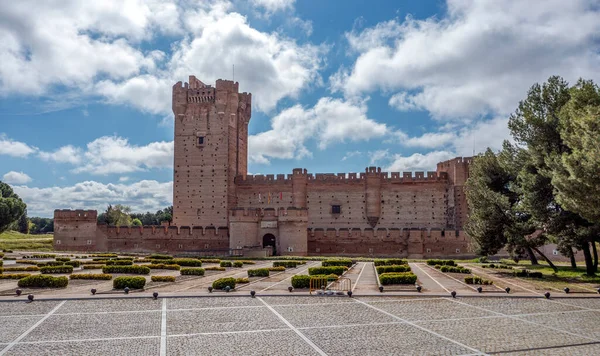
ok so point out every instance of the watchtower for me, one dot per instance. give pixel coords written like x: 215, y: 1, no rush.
x: 211, y: 149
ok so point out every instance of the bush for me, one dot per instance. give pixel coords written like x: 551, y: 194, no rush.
x: 531, y: 274
x: 1, y: 254
x: 210, y: 260
x: 455, y: 269
x: 301, y: 281
x: 105, y: 255
x: 387, y: 269
x: 43, y: 256
x: 276, y: 269
x: 20, y: 269
x: 215, y: 268
x: 50, y: 263
x: 63, y: 259
x: 9, y: 259
x: 259, y: 272
x: 221, y: 283
x: 163, y: 266
x: 441, y: 262
x: 158, y: 256
x: 119, y: 263
x: 126, y: 269
x: 162, y: 279
x: 96, y: 276
x: 225, y: 264
x: 390, y: 262
x: 337, y: 270
x: 238, y: 264
x: 248, y: 262
x: 437, y: 267
x: 14, y: 276
x: 92, y: 266
x: 192, y: 271
x: 482, y: 259
x: 478, y: 280
x: 73, y: 263
x: 397, y: 278
x: 56, y: 269
x: 242, y: 280
x: 187, y: 262
x: 337, y: 262
x: 131, y: 282
x: 43, y: 281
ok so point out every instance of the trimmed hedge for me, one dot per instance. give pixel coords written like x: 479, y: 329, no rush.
x: 455, y: 269
x: 43, y: 281
x: 525, y: 273
x: 491, y: 265
x: 21, y: 269
x: 192, y: 271
x: 337, y: 262
x: 158, y: 256
x: 338, y: 270
x: 48, y: 255
x: 210, y: 260
x: 56, y: 269
x: 238, y: 264
x: 259, y: 272
x: 163, y: 266
x: 226, y: 264
x: 397, y: 278
x: 50, y: 263
x: 131, y: 282
x: 119, y: 263
x: 63, y: 259
x: 478, y: 280
x: 126, y: 269
x: 248, y: 262
x: 14, y: 276
x: 92, y: 266
x: 301, y: 281
x: 162, y: 279
x: 285, y: 264
x: 387, y: 269
x: 1, y: 254
x: 221, y: 283
x: 96, y: 276
x: 73, y: 263
x: 390, y: 262
x: 187, y: 262
x: 215, y: 268
x: 105, y: 255
x: 276, y: 269
x: 441, y: 262
x: 242, y: 280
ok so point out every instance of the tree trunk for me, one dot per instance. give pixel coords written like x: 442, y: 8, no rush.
x: 532, y: 257
x: 595, y: 253
x: 572, y: 257
x: 589, y: 263
x: 547, y: 259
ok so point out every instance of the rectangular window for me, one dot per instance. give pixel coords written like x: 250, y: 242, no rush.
x: 58, y: 242
x: 336, y: 209
x: 201, y: 140
x: 89, y: 242
x: 458, y: 250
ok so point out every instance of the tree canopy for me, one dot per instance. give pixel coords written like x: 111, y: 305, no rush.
x: 11, y: 207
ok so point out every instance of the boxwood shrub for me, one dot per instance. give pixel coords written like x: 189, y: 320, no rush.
x: 162, y: 278
x: 131, y: 282
x: 210, y: 260
x: 47, y: 255
x: 21, y: 269
x: 188, y: 262
x: 43, y: 281
x: 285, y: 264
x: 397, y: 278
x: 215, y: 268
x: 119, y: 263
x: 158, y: 256
x: 163, y: 266
x: 126, y: 269
x: 238, y: 264
x: 259, y: 272
x: 455, y: 269
x: 242, y: 280
x: 63, y: 259
x: 1, y: 254
x: 96, y: 276
x: 301, y: 281
x: 50, y: 263
x: 399, y: 268
x: 390, y: 262
x: 441, y: 262
x: 221, y: 283
x: 478, y: 280
x: 337, y: 262
x: 92, y: 266
x: 73, y: 263
x: 525, y: 273
x: 56, y: 269
x: 338, y: 270
x: 14, y: 276
x: 225, y: 264
x: 276, y: 269
x: 104, y: 255
x: 248, y: 262
x: 192, y: 271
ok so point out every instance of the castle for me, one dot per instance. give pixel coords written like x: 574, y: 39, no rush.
x: 219, y: 209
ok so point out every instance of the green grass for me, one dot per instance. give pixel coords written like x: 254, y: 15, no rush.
x: 13, y: 240
x: 566, y: 273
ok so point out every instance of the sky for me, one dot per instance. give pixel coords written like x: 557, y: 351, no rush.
x: 85, y: 86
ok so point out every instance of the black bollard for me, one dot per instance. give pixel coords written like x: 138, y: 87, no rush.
x: 290, y: 288
x: 507, y: 289
x: 252, y: 293
x: 381, y: 289
x: 350, y: 293
x: 126, y: 290
x: 93, y: 291
x: 155, y: 295
x: 419, y: 288
x: 210, y: 289
x: 566, y: 290
x: 18, y: 291
x: 453, y: 294
x: 479, y: 289
x: 30, y: 298
x: 547, y: 295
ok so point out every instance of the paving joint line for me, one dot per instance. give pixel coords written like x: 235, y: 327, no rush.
x: 298, y: 332
x: 163, y: 329
x: 428, y: 275
x: 360, y: 275
x: 230, y: 332
x: 88, y: 340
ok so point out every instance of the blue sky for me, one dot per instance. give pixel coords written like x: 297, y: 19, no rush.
x: 337, y: 86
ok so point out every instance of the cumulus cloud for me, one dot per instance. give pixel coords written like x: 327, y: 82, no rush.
x: 14, y: 148
x: 13, y: 177
x: 351, y: 154
x: 142, y: 196
x: 272, y: 6
x: 329, y: 121
x: 417, y: 161
x: 65, y: 154
x: 479, y: 58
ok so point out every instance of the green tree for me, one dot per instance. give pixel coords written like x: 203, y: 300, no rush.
x: 11, y: 206
x: 24, y: 223
x: 136, y: 222
x: 117, y: 215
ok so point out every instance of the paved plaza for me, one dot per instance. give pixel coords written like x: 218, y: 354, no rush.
x: 301, y: 325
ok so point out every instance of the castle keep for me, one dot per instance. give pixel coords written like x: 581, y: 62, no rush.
x: 218, y: 208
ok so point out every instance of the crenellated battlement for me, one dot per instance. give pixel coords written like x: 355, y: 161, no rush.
x: 66, y: 215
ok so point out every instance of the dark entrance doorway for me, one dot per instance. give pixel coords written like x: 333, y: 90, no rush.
x: 269, y: 240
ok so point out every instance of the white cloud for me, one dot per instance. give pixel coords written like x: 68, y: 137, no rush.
x: 352, y: 154
x: 330, y: 120
x: 418, y: 161
x: 146, y: 195
x: 378, y: 155
x: 14, y: 148
x: 13, y: 177
x: 65, y: 154
x: 115, y: 155
x: 272, y: 6
x: 123, y: 179
x: 480, y: 58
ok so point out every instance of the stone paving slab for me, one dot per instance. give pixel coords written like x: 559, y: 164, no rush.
x: 95, y: 326
x: 308, y: 300
x: 581, y: 350
x: 512, y: 306
x: 582, y: 323
x: 214, y: 302
x: 22, y: 308
x: 590, y: 303
x: 220, y: 320
x: 396, y: 339
x: 431, y: 310
x: 332, y: 314
x: 501, y: 334
x: 11, y: 328
x: 129, y: 347
x: 284, y: 342
x: 109, y: 305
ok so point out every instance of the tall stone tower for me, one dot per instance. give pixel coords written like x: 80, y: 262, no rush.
x: 211, y: 149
